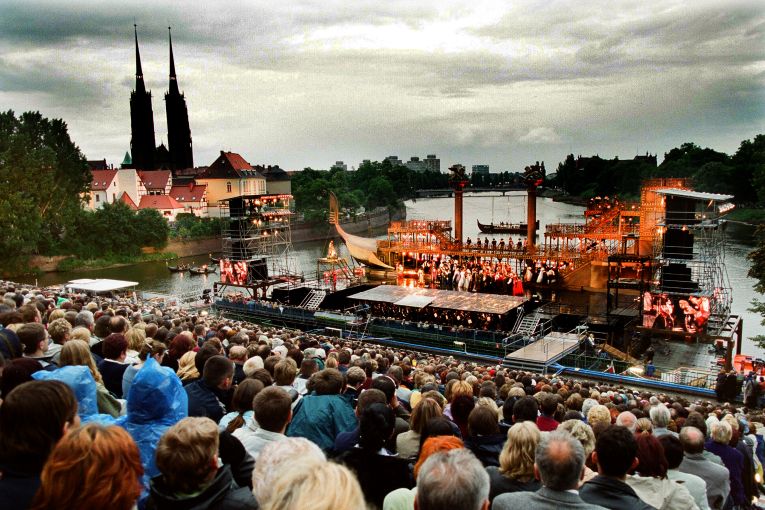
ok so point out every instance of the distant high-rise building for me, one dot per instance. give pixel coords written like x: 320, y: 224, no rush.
x: 415, y: 165
x: 432, y: 163
x: 178, y: 130
x: 142, y: 145
x: 481, y: 169
x: 394, y: 161
x: 340, y: 165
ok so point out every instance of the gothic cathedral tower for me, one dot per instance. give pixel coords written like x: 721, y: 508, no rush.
x: 142, y: 145
x: 178, y: 130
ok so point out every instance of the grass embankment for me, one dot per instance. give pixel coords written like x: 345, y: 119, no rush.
x: 749, y: 215
x: 74, y: 263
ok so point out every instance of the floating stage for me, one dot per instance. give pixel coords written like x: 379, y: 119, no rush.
x: 496, y: 304
x: 540, y: 355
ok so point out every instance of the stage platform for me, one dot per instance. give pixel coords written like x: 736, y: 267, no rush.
x: 539, y: 355
x: 499, y: 304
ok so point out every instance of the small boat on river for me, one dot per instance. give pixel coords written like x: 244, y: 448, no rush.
x: 202, y: 270
x: 180, y: 268
x: 504, y: 228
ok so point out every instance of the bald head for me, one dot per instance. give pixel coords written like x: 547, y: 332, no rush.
x: 559, y: 461
x: 627, y: 419
x: 692, y: 440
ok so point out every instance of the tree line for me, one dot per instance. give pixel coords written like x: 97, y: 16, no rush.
x: 44, y: 181
x: 741, y: 174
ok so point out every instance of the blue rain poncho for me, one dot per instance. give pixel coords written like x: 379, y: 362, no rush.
x: 156, y: 402
x: 80, y: 380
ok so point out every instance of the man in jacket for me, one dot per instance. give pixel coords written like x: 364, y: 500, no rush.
x: 559, y: 464
x: 694, y: 462
x: 187, y: 457
x: 272, y: 411
x: 324, y: 414
x: 206, y: 395
x: 615, y: 455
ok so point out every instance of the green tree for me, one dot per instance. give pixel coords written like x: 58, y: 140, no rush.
x: 43, y: 177
x: 757, y: 271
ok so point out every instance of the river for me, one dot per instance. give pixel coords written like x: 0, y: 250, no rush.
x: 154, y: 276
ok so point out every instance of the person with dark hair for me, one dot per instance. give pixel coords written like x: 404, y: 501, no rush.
x: 694, y: 462
x: 438, y: 426
x: 272, y: 408
x: 650, y: 482
x: 484, y: 438
x: 548, y: 405
x: 206, y: 396
x: 615, y: 456
x: 347, y: 440
x: 325, y: 413
x: 559, y: 464
x: 241, y: 414
x: 33, y: 418
x: 179, y: 345
x: 673, y: 451
x: 91, y: 467
x: 113, y: 366
x: 34, y: 340
x: 525, y: 409
x: 408, y: 443
x: 16, y: 372
x: 308, y: 367
x: 378, y: 471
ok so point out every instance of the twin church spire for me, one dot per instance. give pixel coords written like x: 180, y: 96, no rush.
x: 145, y: 154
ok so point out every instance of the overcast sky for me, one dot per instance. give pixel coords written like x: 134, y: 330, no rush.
x: 301, y: 83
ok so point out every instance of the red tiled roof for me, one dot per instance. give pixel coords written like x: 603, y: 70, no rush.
x: 102, y: 179
x: 159, y: 202
x: 229, y: 165
x: 189, y: 193
x: 125, y: 199
x: 155, y: 179
x: 236, y: 161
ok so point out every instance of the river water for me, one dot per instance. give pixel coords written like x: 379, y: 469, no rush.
x: 154, y: 276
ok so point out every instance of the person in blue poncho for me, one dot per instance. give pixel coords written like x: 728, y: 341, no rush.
x: 156, y: 401
x: 80, y: 380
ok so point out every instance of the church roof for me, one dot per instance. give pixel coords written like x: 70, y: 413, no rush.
x: 188, y: 193
x: 102, y: 179
x: 127, y: 160
x: 229, y: 165
x: 125, y: 199
x: 156, y: 179
x: 159, y: 202
x: 99, y: 164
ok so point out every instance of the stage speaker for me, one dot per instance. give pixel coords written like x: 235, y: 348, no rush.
x: 258, y: 270
x: 678, y: 244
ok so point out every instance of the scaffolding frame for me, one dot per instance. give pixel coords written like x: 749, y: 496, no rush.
x: 258, y: 229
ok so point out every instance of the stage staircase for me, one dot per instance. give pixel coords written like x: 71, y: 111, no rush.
x: 313, y: 299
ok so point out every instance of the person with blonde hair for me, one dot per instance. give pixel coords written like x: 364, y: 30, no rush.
x: 516, y: 462
x: 136, y: 338
x: 584, y: 434
x: 598, y: 414
x: 274, y: 457
x: 91, y: 467
x: 77, y: 353
x: 458, y: 389
x: 81, y: 333
x: 643, y: 426
x: 318, y: 485
x: 187, y: 370
x: 187, y: 457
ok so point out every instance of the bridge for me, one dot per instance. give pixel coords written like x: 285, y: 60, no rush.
x: 448, y: 192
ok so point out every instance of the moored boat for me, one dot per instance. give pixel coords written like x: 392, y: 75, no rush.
x: 504, y: 228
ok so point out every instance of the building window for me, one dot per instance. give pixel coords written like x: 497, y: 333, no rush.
x: 98, y: 198
x: 228, y: 187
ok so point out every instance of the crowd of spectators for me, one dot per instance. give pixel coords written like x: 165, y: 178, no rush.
x: 112, y: 404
